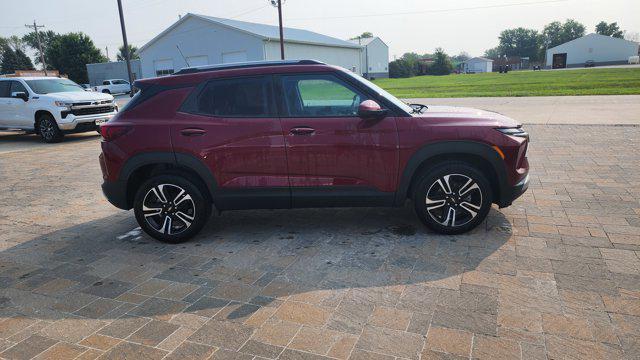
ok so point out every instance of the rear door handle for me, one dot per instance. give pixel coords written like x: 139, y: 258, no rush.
x: 192, y: 132
x: 302, y: 130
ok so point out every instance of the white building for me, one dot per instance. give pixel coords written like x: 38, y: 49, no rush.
x: 602, y: 50
x: 374, y: 61
x: 477, y: 65
x: 201, y: 40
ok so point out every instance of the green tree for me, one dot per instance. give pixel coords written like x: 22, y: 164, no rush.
x: 520, y: 42
x: 556, y: 33
x: 9, y: 61
x: 611, y: 29
x: 492, y: 53
x: 47, y: 38
x: 70, y: 53
x: 133, y: 53
x: 13, y: 60
x: 441, y: 65
x: 400, y: 69
x: 364, y: 35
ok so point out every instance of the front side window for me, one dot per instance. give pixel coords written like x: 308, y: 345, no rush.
x: 53, y: 85
x: 17, y: 86
x: 320, y: 95
x: 241, y: 97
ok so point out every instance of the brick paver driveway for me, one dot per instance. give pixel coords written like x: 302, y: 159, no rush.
x: 557, y: 275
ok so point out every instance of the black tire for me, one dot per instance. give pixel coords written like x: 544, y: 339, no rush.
x: 449, y: 213
x: 194, y: 207
x: 48, y: 129
x: 105, y: 91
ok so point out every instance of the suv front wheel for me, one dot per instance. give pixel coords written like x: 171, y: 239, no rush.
x: 171, y: 208
x: 48, y: 129
x: 452, y: 198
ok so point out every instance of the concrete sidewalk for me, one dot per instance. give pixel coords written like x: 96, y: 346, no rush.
x: 593, y: 110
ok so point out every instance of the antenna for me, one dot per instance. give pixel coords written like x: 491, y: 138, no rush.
x: 181, y: 54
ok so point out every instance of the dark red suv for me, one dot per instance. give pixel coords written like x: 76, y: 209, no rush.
x: 295, y: 134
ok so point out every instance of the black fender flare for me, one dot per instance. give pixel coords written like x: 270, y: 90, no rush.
x: 484, y: 151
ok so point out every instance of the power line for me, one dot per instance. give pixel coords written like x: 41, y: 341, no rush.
x: 415, y: 12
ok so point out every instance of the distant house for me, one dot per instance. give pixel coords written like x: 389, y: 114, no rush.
x: 477, y: 65
x: 201, y: 40
x: 375, y: 57
x: 596, y: 48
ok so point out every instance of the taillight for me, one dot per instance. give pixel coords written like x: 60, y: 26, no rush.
x: 112, y: 132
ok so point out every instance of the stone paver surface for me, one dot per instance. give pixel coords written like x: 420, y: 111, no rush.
x: 557, y: 275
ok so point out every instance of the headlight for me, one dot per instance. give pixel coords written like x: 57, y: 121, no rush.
x: 517, y: 132
x: 63, y: 104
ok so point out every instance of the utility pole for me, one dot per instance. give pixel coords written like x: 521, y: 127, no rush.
x: 35, y: 28
x: 107, y: 49
x: 126, y: 48
x: 278, y: 3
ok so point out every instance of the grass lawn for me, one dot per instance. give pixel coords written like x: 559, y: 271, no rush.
x: 518, y: 83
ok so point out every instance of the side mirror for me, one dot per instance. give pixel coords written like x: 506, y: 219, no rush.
x: 20, y: 95
x: 370, y: 109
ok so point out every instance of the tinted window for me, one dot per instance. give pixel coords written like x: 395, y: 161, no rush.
x: 119, y: 82
x: 53, y: 85
x: 241, y: 97
x: 320, y: 95
x: 4, y: 89
x: 17, y: 86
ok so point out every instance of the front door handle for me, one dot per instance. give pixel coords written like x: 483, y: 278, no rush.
x: 302, y: 130
x: 192, y: 132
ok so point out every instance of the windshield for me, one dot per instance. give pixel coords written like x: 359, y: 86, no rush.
x: 53, y: 85
x: 382, y: 92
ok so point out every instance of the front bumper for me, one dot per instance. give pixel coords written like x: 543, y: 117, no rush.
x: 72, y: 122
x: 508, y: 195
x: 116, y: 193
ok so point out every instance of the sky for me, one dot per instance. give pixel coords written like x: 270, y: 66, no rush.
x: 404, y: 25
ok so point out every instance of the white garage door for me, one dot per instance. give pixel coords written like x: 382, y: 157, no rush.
x: 234, y: 56
x: 199, y: 60
x: 163, y: 67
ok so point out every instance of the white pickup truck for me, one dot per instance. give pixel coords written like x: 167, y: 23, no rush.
x: 51, y: 107
x: 113, y: 86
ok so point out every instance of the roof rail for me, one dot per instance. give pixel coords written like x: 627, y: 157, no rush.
x: 246, y: 64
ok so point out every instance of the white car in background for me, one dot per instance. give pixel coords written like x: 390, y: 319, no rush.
x: 51, y: 107
x: 113, y: 86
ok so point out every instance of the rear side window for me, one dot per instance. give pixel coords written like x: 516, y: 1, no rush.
x: 239, y: 97
x: 4, y: 89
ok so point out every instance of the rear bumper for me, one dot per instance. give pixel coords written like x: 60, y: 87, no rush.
x: 508, y: 195
x: 116, y: 193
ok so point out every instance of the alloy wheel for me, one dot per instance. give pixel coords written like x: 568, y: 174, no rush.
x: 453, y: 200
x: 168, y: 209
x: 47, y: 130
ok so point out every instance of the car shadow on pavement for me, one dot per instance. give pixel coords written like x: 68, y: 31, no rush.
x: 241, y: 262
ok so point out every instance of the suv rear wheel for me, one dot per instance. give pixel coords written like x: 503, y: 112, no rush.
x: 171, y: 208
x: 452, y: 198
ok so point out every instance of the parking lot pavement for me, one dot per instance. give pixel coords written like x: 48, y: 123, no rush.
x: 589, y: 110
x: 556, y: 275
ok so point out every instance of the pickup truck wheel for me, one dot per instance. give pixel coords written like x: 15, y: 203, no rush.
x: 105, y: 91
x: 171, y: 208
x: 452, y: 198
x: 48, y: 129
